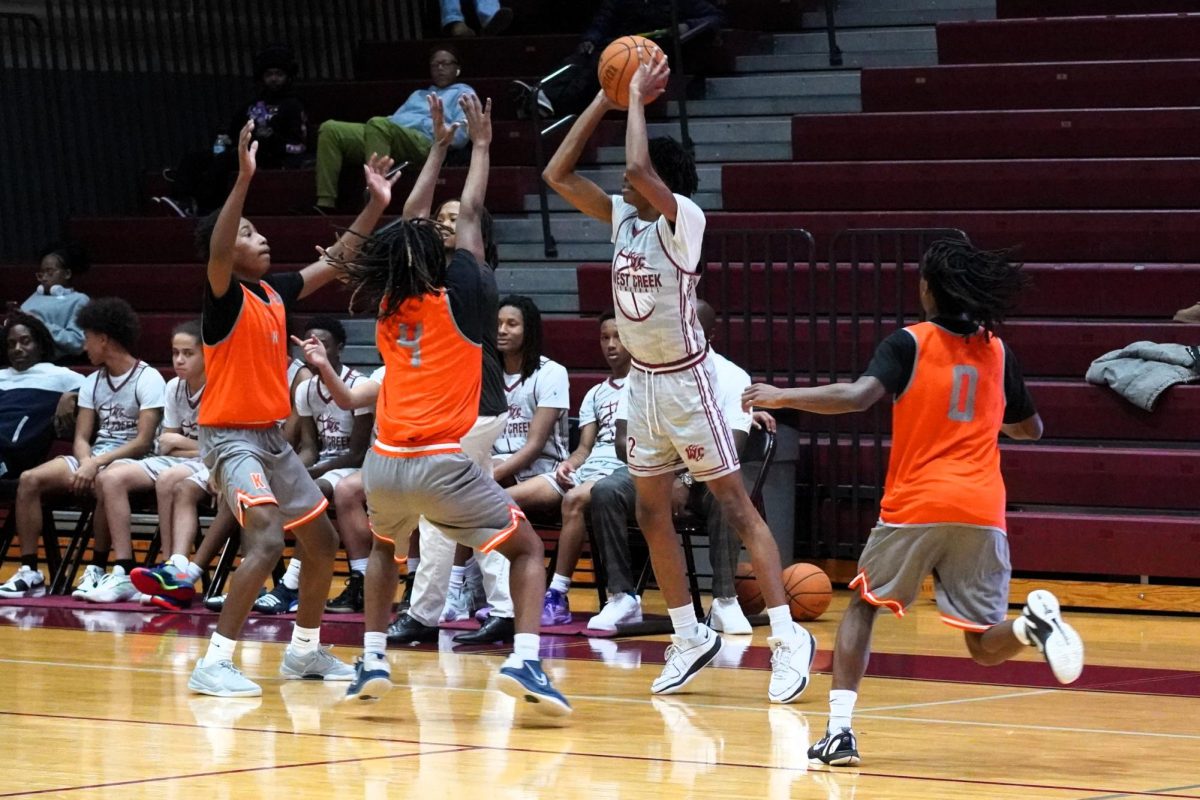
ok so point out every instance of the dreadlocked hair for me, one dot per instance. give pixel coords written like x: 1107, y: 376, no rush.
x: 401, y: 261
x: 674, y: 164
x: 980, y: 285
x: 531, y: 344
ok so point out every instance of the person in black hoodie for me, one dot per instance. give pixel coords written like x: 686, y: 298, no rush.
x: 280, y: 128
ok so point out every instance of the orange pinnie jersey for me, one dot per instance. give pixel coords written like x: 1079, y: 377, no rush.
x: 247, y: 384
x: 430, y: 393
x: 945, y: 460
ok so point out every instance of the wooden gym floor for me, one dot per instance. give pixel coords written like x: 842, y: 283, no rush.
x: 93, y: 709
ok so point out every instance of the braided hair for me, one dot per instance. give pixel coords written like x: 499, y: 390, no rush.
x: 402, y: 261
x: 531, y: 344
x: 980, y: 285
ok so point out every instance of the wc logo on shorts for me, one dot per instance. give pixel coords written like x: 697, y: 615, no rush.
x: 256, y: 478
x: 693, y: 452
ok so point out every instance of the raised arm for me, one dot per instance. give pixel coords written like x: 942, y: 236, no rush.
x: 560, y: 174
x: 420, y: 199
x: 361, y: 395
x: 836, y: 398
x: 647, y: 84
x: 224, y: 235
x: 379, y: 186
x: 468, y: 233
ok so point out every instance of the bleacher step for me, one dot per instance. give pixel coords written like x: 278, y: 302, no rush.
x: 866, y: 14
x: 771, y: 106
x: 859, y: 41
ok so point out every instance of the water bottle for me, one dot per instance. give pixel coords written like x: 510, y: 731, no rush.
x: 220, y: 145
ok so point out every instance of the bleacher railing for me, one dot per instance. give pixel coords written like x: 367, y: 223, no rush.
x: 95, y: 93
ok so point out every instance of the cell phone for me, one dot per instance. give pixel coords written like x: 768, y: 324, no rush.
x: 396, y: 170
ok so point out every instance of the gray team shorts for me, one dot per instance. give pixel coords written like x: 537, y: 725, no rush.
x: 256, y: 466
x: 969, y: 564
x: 448, y: 489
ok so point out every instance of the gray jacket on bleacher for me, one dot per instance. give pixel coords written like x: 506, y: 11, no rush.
x: 1142, y: 371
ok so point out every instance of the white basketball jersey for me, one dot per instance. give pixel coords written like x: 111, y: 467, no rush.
x: 118, y: 400
x: 181, y: 409
x: 600, y: 406
x: 654, y: 277
x: 547, y: 387
x: 334, y: 424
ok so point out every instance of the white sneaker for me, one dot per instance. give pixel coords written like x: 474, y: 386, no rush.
x: 319, y: 665
x: 726, y: 616
x: 25, y: 582
x: 790, y: 664
x: 222, y: 679
x: 92, y: 575
x: 685, y: 658
x: 621, y: 609
x: 115, y: 587
x: 1057, y: 641
x: 458, y: 604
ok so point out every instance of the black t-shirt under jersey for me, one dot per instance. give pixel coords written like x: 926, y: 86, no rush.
x: 492, y: 400
x: 893, y: 363
x: 221, y: 313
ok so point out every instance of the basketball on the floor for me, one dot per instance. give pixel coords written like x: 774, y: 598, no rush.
x: 748, y: 594
x: 808, y: 589
x: 619, y: 61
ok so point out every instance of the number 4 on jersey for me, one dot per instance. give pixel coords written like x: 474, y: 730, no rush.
x: 410, y: 340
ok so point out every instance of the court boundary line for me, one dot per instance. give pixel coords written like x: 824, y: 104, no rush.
x: 235, y: 771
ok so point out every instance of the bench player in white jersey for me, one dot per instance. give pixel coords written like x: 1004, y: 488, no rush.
x: 674, y: 417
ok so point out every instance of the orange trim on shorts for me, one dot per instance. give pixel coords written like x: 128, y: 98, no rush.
x: 962, y: 624
x: 864, y: 588
x: 317, y: 511
x: 245, y: 501
x: 389, y: 451
x: 515, y: 516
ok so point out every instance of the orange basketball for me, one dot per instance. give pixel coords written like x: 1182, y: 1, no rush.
x: 808, y: 589
x: 620, y: 60
x: 748, y: 594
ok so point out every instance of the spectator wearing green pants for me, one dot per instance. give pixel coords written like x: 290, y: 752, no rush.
x: 405, y: 136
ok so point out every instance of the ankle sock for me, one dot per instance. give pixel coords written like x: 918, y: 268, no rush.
x: 359, y: 565
x: 307, y: 640
x: 560, y: 583
x: 782, y: 626
x: 194, y: 571
x: 124, y: 564
x: 375, y: 645
x: 30, y: 561
x: 841, y: 708
x: 291, y: 578
x: 526, y: 646
x: 100, y: 559
x: 220, y: 648
x: 683, y: 620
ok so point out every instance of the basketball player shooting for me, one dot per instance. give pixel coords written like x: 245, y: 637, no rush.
x: 675, y: 421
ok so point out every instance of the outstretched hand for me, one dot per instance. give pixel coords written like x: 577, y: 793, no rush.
x: 443, y: 134
x: 479, y: 118
x: 650, y: 79
x: 314, y: 351
x: 761, y: 395
x: 247, y: 151
x: 379, y: 182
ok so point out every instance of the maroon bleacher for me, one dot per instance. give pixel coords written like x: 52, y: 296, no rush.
x: 1080, y: 84
x: 1058, y: 133
x: 1055, y: 290
x: 1012, y: 9
x: 1108, y: 38
x: 976, y: 185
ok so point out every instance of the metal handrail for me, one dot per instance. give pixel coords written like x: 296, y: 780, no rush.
x: 548, y: 241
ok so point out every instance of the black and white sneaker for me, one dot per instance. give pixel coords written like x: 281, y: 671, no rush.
x: 350, y: 601
x: 1057, y: 641
x: 685, y: 658
x: 25, y: 582
x: 836, y: 749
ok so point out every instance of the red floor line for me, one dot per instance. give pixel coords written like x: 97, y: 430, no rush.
x: 456, y: 747
x: 140, y: 781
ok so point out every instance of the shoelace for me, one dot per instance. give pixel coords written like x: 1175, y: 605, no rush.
x: 228, y: 665
x: 779, y: 655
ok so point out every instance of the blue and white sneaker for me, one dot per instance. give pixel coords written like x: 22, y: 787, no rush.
x: 370, y: 683
x: 526, y: 681
x: 280, y: 600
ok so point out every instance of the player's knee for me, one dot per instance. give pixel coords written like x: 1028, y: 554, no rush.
x: 30, y: 483
x: 575, y: 502
x: 346, y: 495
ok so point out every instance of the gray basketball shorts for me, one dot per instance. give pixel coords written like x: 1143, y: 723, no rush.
x: 448, y: 489
x: 969, y: 564
x: 256, y: 466
x: 676, y: 421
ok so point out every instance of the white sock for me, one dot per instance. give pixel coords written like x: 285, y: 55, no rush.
x: 220, y: 648
x: 841, y: 708
x: 375, y: 645
x: 307, y: 640
x: 1020, y: 629
x: 291, y: 578
x: 359, y: 565
x: 725, y: 602
x: 194, y: 571
x: 683, y: 619
x: 178, y: 561
x: 526, y: 646
x: 458, y: 576
x: 560, y: 583
x: 782, y: 626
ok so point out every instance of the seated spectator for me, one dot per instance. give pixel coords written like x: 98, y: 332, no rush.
x: 57, y: 304
x: 177, y: 458
x: 571, y: 92
x: 33, y: 394
x: 280, y: 128
x: 121, y: 404
x: 493, y: 19
x: 613, y: 507
x: 570, y: 486
x: 406, y: 135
